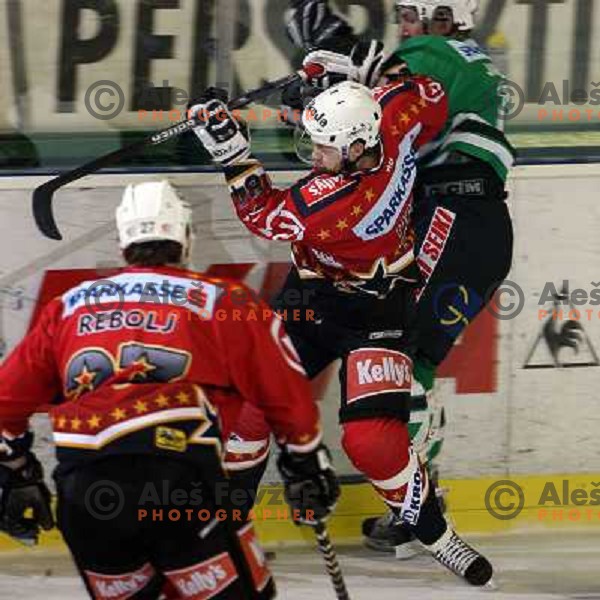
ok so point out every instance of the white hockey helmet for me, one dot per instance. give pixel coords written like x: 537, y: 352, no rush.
x: 423, y: 9
x: 153, y: 211
x: 463, y: 11
x: 342, y: 115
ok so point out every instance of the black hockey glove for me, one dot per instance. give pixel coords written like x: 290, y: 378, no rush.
x: 22, y: 487
x: 225, y: 138
x: 311, y: 485
x: 394, y: 69
x: 294, y: 99
x: 313, y: 25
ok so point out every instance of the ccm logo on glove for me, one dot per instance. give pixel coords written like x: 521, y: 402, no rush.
x: 377, y: 371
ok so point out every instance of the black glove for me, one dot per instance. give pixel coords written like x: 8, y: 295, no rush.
x: 313, y: 25
x: 22, y: 487
x: 311, y: 485
x: 394, y: 69
x: 295, y: 98
x: 15, y: 447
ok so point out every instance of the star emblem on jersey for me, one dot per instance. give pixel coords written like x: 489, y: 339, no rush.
x: 118, y: 414
x: 379, y: 284
x: 324, y: 234
x: 140, y: 368
x: 140, y: 407
x: 183, y: 398
x: 162, y: 401
x: 85, y: 380
x: 342, y: 224
x: 94, y: 422
x: 356, y: 211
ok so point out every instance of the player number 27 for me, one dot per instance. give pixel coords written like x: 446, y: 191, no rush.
x: 134, y: 363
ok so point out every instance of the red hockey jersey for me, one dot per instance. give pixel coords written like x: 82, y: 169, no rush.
x: 153, y: 359
x: 350, y: 228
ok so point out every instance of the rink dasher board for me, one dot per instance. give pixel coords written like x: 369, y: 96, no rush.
x: 537, y: 421
x: 466, y: 511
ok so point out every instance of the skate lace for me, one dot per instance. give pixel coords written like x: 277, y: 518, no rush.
x: 456, y: 555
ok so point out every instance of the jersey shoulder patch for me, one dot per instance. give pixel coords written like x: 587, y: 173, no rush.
x: 430, y: 90
x: 468, y: 50
x: 313, y: 194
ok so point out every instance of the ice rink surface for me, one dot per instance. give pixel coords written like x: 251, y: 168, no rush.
x: 545, y: 566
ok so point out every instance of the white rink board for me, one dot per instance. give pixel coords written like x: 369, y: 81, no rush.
x: 542, y: 420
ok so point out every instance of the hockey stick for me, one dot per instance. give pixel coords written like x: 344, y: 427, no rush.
x: 42, y: 195
x: 331, y: 561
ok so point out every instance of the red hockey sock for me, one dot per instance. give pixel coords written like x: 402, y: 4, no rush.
x: 379, y: 448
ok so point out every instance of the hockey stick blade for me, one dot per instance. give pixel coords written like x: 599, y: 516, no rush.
x: 42, y: 196
x: 330, y: 559
x: 42, y: 210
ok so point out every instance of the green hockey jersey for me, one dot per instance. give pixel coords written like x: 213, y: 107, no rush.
x: 472, y: 84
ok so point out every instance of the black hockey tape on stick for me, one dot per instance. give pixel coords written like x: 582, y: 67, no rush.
x: 330, y: 558
x: 42, y: 195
